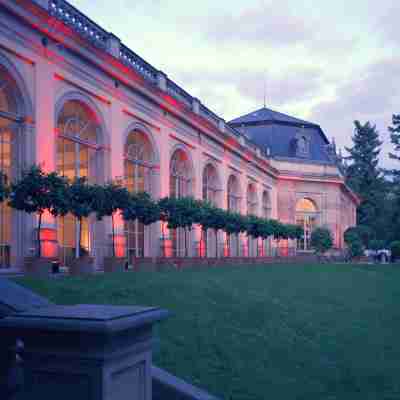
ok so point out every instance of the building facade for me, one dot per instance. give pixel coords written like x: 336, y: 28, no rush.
x: 73, y: 98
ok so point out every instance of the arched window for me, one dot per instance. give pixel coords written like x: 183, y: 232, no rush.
x: 10, y: 124
x: 252, y: 206
x: 138, y: 165
x: 180, y: 175
x: 307, y: 217
x: 233, y: 193
x: 233, y: 205
x: 266, y: 205
x: 210, y: 193
x: 251, y: 200
x: 78, y: 138
x: 210, y: 184
x: 180, y: 186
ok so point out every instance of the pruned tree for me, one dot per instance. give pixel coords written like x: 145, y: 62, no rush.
x: 321, y: 240
x: 109, y: 199
x: 37, y: 192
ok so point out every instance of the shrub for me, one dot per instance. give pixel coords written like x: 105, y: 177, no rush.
x: 321, y: 240
x: 395, y: 249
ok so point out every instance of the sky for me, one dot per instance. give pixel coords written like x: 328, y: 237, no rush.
x: 329, y: 62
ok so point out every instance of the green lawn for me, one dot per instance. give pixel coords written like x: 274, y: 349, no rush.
x: 271, y: 332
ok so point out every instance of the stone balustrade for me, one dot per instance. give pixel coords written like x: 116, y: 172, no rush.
x: 104, y: 40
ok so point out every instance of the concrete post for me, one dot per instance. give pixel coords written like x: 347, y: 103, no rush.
x: 90, y: 352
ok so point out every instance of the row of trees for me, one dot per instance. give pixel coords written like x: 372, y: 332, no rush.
x: 39, y: 192
x: 378, y: 215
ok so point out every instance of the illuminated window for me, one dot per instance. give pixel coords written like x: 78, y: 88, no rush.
x: 307, y: 217
x: 9, y: 162
x: 210, y: 193
x: 266, y: 205
x: 210, y: 184
x: 180, y: 175
x: 77, y: 156
x: 138, y: 165
x: 233, y: 205
x: 180, y: 186
x: 233, y: 193
x: 251, y: 200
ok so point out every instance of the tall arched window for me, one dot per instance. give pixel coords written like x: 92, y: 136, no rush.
x: 10, y: 156
x: 266, y: 213
x: 77, y: 156
x: 252, y: 206
x: 233, y: 202
x: 138, y: 165
x: 233, y: 193
x: 266, y: 205
x: 180, y: 175
x: 210, y: 193
x: 210, y: 184
x: 180, y: 186
x: 307, y: 217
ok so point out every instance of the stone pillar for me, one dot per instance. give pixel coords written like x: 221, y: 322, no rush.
x: 86, y: 351
x: 45, y: 137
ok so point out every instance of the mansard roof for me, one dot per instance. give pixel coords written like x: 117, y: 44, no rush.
x: 280, y: 132
x: 267, y: 115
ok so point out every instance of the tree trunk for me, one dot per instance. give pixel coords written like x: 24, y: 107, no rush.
x: 113, y: 235
x: 79, y: 236
x: 238, y: 245
x: 39, y: 251
x: 257, y: 247
x: 216, y: 243
x: 186, y: 249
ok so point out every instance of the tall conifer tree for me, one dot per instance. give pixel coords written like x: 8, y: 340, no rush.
x: 395, y: 173
x: 365, y: 177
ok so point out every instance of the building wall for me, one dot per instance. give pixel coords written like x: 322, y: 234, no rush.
x: 65, y: 66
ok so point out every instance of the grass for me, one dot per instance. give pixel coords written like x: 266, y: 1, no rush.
x: 275, y: 331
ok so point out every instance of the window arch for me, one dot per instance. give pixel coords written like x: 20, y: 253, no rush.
x: 210, y: 184
x: 138, y: 165
x: 78, y: 155
x: 180, y: 174
x: 306, y: 205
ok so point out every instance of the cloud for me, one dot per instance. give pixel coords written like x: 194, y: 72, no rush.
x: 370, y: 95
x: 265, y: 23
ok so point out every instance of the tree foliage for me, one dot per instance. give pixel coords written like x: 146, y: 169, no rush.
x: 365, y: 177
